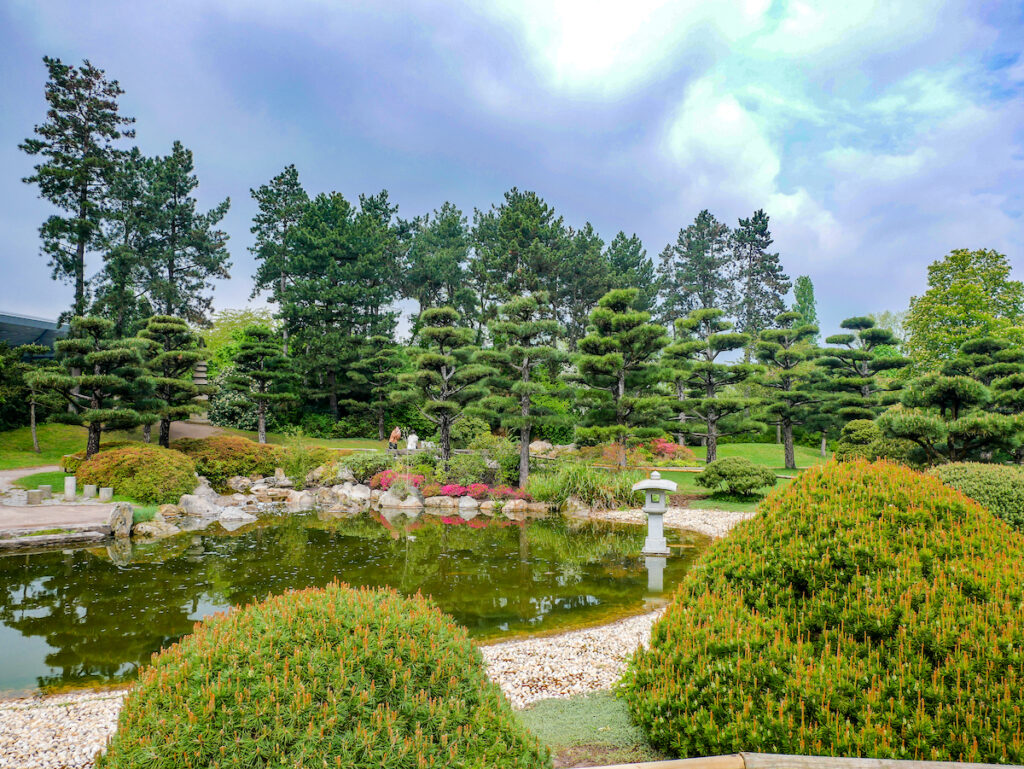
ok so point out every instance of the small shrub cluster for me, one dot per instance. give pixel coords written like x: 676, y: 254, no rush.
x: 234, y: 409
x: 475, y: 490
x: 70, y: 463
x: 466, y: 469
x: 503, y: 452
x: 315, y: 678
x: 1000, y: 488
x: 364, y: 465
x: 863, y: 439
x: 867, y: 610
x: 144, y: 473
x: 220, y: 457
x: 467, y: 430
x: 736, y: 476
x: 593, y: 486
x: 386, y: 478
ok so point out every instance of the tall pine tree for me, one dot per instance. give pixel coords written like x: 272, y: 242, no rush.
x: 761, y: 285
x: 695, y: 272
x: 856, y: 360
x: 585, y: 278
x: 435, y: 268
x: 632, y: 268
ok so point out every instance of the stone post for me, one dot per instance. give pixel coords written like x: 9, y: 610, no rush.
x: 70, y: 490
x: 89, y: 490
x: 106, y: 494
x: 34, y: 497
x: 47, y: 491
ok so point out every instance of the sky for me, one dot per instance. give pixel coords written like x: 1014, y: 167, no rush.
x: 877, y: 135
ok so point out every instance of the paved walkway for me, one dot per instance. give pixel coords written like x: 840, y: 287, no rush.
x: 45, y: 516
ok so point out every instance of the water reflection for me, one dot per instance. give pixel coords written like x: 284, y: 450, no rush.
x: 95, y: 615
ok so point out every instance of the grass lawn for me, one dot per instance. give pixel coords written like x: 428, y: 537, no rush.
x: 334, y: 443
x: 767, y: 454
x: 55, y: 440
x: 588, y: 730
x: 687, y: 483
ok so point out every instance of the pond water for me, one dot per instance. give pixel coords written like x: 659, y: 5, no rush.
x: 94, y: 615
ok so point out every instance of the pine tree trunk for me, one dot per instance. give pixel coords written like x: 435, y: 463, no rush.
x: 824, y: 445
x: 788, y: 449
x: 524, y: 455
x: 261, y: 422
x: 32, y: 423
x: 147, y: 433
x: 445, y: 431
x: 284, y: 328
x: 165, y: 432
x: 381, y: 435
x: 332, y: 395
x: 712, y: 443
x: 778, y: 434
x: 93, y: 444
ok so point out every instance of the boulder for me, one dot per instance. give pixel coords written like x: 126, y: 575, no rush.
x: 540, y: 447
x: 120, y: 520
x: 300, y: 501
x: 360, y: 495
x: 375, y: 495
x: 202, y: 507
x: 235, y: 514
x: 468, y: 508
x: 487, y: 507
x: 204, y: 489
x: 574, y: 506
x: 155, y: 529
x: 411, y: 505
x: 239, y: 483
x: 169, y: 511
x: 287, y: 483
x: 538, y: 509
x: 259, y: 488
x: 442, y: 503
x: 514, y: 506
x: 388, y: 499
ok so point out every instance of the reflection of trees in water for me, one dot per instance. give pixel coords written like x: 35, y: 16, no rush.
x: 103, y: 619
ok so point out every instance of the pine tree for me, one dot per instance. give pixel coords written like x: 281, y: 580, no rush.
x: 694, y: 274
x: 709, y: 404
x: 447, y: 375
x: 280, y: 203
x: 761, y: 285
x: 618, y: 369
x: 788, y: 357
x: 586, y: 278
x: 435, y: 267
x: 524, y: 342
x: 856, y: 360
x: 26, y: 360
x: 262, y: 372
x: 632, y: 268
x: 111, y: 377
x: 171, y: 352
x: 188, y: 250
x: 803, y: 295
x: 77, y: 146
x: 376, y: 371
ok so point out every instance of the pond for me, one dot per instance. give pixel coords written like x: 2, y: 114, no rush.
x: 92, y: 616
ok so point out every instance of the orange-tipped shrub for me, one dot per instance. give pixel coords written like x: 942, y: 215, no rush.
x: 315, y: 678
x: 144, y: 473
x: 220, y: 457
x: 867, y: 610
x: 70, y: 463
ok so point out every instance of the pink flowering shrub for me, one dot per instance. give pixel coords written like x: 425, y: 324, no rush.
x: 478, y: 491
x: 385, y: 478
x: 453, y: 490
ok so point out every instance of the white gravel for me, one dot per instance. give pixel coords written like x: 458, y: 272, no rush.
x: 67, y: 730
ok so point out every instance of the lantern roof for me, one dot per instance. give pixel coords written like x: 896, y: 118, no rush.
x: 654, y: 483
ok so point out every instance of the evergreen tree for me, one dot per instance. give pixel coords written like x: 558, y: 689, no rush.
x: 524, y: 343
x: 102, y: 395
x: 632, y: 268
x: 618, y: 369
x: 710, y: 406
x: 803, y: 295
x: 262, y: 372
x: 280, y: 205
x: 856, y: 360
x: 171, y: 352
x: 447, y: 375
x: 586, y: 278
x: 435, y: 268
x: 761, y: 285
x: 188, y: 252
x: 788, y: 380
x: 694, y: 274
x: 77, y: 147
x: 376, y: 371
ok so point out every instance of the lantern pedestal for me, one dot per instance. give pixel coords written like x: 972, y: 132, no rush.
x: 656, y: 493
x: 655, y: 573
x: 655, y: 543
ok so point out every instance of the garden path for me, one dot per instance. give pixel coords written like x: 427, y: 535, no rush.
x: 15, y: 517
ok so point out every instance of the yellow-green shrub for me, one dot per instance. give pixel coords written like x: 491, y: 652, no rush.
x: 144, y: 473
x: 70, y: 463
x: 1000, y: 488
x: 322, y: 678
x: 220, y: 457
x: 867, y: 610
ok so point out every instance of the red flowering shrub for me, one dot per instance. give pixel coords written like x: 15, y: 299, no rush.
x: 453, y: 490
x: 666, y: 449
x: 385, y: 478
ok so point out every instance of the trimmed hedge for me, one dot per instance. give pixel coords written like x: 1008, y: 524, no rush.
x: 867, y: 610
x: 736, y: 475
x: 141, y: 472
x: 220, y: 457
x: 70, y: 463
x: 1000, y: 488
x: 315, y: 678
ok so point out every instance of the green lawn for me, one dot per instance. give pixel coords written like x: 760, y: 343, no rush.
x: 34, y: 481
x: 767, y: 454
x: 333, y: 443
x: 687, y: 483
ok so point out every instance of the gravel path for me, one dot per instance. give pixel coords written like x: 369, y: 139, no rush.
x: 67, y: 730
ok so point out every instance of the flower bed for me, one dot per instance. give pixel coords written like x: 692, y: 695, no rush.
x: 384, y: 479
x: 474, y: 490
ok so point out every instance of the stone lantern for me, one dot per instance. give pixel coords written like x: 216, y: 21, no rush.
x: 656, y: 493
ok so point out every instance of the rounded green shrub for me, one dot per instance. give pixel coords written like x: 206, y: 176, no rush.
x: 321, y: 678
x: 366, y: 464
x: 1000, y: 488
x: 144, y: 473
x: 70, y: 463
x: 220, y: 457
x: 863, y: 439
x: 867, y: 610
x: 735, y: 475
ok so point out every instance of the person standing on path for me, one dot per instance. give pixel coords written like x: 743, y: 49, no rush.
x: 396, y: 435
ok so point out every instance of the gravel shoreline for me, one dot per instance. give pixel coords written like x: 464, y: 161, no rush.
x: 65, y: 731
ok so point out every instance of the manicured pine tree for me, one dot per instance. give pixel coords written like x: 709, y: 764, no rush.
x: 262, y: 372
x: 376, y: 372
x: 110, y: 379
x: 524, y: 344
x: 710, y: 406
x: 280, y: 204
x: 447, y: 375
x: 618, y: 370
x: 856, y: 361
x: 30, y: 359
x: 171, y: 352
x: 761, y: 285
x: 788, y: 357
x: 77, y: 146
x: 188, y: 252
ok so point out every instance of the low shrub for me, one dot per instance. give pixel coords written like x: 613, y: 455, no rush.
x: 1000, y: 488
x: 867, y: 610
x: 234, y: 409
x: 593, y: 486
x: 315, y: 678
x: 863, y: 439
x: 385, y: 479
x: 502, y: 451
x: 465, y: 469
x: 70, y: 463
x: 364, y: 465
x: 736, y: 476
x: 220, y: 457
x: 467, y: 430
x: 144, y: 473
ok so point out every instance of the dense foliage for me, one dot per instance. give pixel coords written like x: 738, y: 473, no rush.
x: 593, y: 487
x: 868, y: 610
x: 735, y: 475
x: 220, y: 457
x: 143, y: 473
x: 314, y: 678
x: 1000, y: 488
